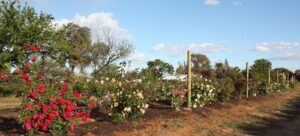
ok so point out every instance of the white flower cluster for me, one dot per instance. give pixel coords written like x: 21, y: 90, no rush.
x: 128, y: 103
x: 273, y: 88
x: 202, y: 92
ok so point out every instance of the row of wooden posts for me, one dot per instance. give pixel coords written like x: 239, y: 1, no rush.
x: 189, y: 79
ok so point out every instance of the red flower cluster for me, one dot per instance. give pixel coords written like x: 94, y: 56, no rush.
x: 4, y: 76
x: 32, y: 48
x: 45, y: 107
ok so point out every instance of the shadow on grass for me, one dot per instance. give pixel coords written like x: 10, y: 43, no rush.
x: 279, y: 124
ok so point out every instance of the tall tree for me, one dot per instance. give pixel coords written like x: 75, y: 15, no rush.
x: 75, y: 49
x: 109, y: 50
x: 260, y: 69
x: 19, y: 25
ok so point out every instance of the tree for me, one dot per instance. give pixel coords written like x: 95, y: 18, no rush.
x: 201, y: 65
x: 19, y: 25
x: 260, y: 69
x: 181, y: 69
x: 297, y: 74
x: 109, y: 50
x: 75, y: 48
x: 158, y: 68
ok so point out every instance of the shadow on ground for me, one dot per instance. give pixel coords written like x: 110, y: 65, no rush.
x: 285, y: 122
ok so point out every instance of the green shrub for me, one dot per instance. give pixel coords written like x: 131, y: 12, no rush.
x: 226, y: 89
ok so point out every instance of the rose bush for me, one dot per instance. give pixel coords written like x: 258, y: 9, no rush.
x: 47, y: 107
x: 203, y: 92
x: 124, y: 100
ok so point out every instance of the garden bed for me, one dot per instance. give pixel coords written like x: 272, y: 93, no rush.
x: 215, y: 118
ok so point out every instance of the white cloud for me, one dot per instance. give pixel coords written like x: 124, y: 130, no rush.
x: 276, y: 46
x: 158, y: 47
x: 288, y: 56
x: 211, y: 2
x: 262, y: 47
x: 98, y: 22
x: 196, y: 48
x: 137, y: 57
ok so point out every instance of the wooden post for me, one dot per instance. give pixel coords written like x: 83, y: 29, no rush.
x: 277, y: 76
x: 269, y: 76
x: 247, y: 76
x: 189, y: 80
x: 292, y: 79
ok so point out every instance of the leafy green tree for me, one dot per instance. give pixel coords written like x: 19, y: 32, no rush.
x: 260, y: 69
x: 158, y: 68
x: 19, y: 25
x: 75, y: 48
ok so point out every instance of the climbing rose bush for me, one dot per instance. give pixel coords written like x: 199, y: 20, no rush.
x: 49, y: 107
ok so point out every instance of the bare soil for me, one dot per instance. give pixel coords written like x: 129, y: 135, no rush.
x: 274, y: 115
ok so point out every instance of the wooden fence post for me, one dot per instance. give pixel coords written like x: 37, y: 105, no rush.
x: 277, y: 76
x: 247, y: 76
x: 269, y: 76
x: 189, y: 79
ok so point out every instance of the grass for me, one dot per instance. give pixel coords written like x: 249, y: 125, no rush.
x: 9, y: 102
x: 212, y: 133
x: 239, y: 125
x: 176, y: 123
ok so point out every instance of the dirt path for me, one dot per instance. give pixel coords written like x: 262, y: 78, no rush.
x: 277, y: 115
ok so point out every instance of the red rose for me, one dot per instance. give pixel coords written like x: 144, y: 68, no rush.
x: 1, y: 74
x: 27, y: 120
x: 91, y: 105
x: 5, y: 77
x: 33, y: 94
x: 41, y: 88
x: 39, y: 75
x: 44, y: 108
x: 72, y: 128
x: 27, y: 66
x: 27, y: 126
x: 54, y: 107
x: 34, y: 58
x: 77, y: 114
x: 35, y: 117
x: 25, y: 76
x: 47, y: 122
x: 52, y: 115
x: 69, y: 107
x: 65, y: 85
x: 76, y: 95
x: 19, y: 72
x: 61, y: 101
x: 38, y: 48
x: 32, y: 48
x: 28, y: 106
x: 41, y: 116
x: 35, y: 125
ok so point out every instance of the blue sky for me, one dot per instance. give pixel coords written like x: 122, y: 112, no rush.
x: 239, y: 30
